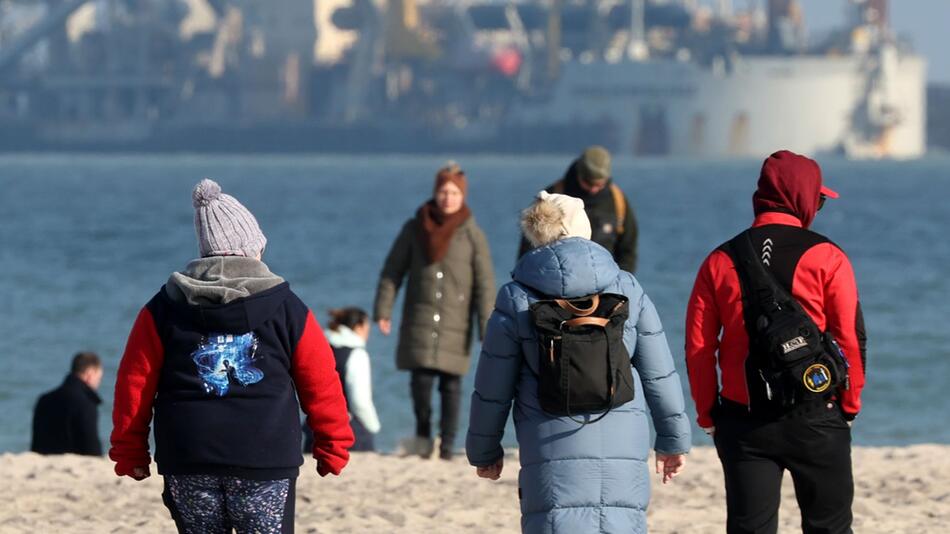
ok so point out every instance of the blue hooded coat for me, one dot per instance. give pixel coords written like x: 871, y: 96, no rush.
x: 575, y: 478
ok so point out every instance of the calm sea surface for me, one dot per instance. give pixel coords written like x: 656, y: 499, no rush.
x: 85, y: 241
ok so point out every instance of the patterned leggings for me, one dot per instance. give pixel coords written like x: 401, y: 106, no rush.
x: 211, y: 504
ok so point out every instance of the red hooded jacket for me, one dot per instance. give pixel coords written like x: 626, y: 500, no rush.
x: 812, y: 268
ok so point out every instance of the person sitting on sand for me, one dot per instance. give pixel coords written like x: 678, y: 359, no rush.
x: 584, y: 475
x: 222, y: 353
x: 66, y: 420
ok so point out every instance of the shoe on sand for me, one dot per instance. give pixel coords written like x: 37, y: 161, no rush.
x: 417, y: 446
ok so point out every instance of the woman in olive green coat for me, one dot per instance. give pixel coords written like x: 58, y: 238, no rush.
x: 448, y: 263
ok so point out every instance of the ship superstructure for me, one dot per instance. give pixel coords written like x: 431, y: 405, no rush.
x: 658, y: 78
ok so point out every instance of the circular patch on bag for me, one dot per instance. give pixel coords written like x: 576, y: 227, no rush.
x: 817, y: 378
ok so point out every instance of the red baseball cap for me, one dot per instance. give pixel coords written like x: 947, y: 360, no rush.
x: 828, y: 192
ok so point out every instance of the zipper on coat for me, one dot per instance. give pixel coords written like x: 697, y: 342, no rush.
x: 768, y: 389
x: 748, y: 388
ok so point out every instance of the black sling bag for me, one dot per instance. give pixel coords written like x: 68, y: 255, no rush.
x: 791, y: 361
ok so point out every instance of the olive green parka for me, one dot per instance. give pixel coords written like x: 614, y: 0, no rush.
x: 442, y: 298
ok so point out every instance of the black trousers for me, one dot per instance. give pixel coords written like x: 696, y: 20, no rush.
x: 450, y: 388
x: 813, y: 443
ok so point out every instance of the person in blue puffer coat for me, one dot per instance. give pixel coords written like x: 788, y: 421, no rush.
x: 574, y: 479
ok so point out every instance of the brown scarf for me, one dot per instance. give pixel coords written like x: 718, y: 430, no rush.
x: 436, y: 229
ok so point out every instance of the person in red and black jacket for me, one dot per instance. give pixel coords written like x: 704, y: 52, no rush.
x: 755, y: 443
x: 221, y: 355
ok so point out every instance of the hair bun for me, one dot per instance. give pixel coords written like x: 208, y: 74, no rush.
x: 205, y: 192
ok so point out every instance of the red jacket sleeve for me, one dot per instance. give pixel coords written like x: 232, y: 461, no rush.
x: 846, y: 324
x: 702, y: 341
x: 321, y: 397
x: 135, y: 388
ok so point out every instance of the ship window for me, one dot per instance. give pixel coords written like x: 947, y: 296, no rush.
x: 653, y: 132
x: 533, y: 16
x: 739, y: 134
x: 487, y: 17
x: 577, y: 19
x: 697, y: 133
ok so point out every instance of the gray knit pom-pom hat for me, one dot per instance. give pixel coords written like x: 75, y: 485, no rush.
x: 224, y: 226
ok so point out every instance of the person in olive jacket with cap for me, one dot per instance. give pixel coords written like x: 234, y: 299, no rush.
x: 612, y: 220
x: 446, y: 258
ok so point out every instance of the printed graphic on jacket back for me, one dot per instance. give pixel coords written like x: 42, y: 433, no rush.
x: 222, y: 358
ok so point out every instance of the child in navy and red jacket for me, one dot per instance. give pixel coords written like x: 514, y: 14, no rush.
x: 221, y: 355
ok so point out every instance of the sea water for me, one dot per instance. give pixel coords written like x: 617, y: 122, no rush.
x: 86, y: 240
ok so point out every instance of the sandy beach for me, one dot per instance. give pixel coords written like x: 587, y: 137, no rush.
x: 899, y: 489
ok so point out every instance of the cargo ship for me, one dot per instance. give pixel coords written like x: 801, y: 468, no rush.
x: 645, y: 78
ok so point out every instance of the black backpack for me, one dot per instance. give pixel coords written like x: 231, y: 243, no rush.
x: 584, y: 366
x: 791, y: 362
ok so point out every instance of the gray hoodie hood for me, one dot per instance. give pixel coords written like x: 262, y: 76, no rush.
x: 220, y: 280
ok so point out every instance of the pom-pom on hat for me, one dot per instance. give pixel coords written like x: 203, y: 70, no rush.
x: 554, y: 216
x: 223, y: 225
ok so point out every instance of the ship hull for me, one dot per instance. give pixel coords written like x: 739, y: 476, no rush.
x: 811, y: 105
x: 760, y: 104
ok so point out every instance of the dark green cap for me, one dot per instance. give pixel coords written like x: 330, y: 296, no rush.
x: 594, y: 164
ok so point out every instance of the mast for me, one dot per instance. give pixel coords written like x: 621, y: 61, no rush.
x: 877, y: 13
x: 554, y: 40
x: 637, y: 48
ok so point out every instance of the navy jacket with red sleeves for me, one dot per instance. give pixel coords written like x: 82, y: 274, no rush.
x: 224, y: 382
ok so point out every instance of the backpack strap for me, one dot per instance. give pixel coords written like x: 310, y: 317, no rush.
x: 620, y: 203
x: 586, y: 321
x: 620, y: 206
x: 582, y: 312
x: 765, y: 290
x: 753, y: 274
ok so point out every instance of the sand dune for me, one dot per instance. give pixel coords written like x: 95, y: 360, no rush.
x: 903, y: 489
